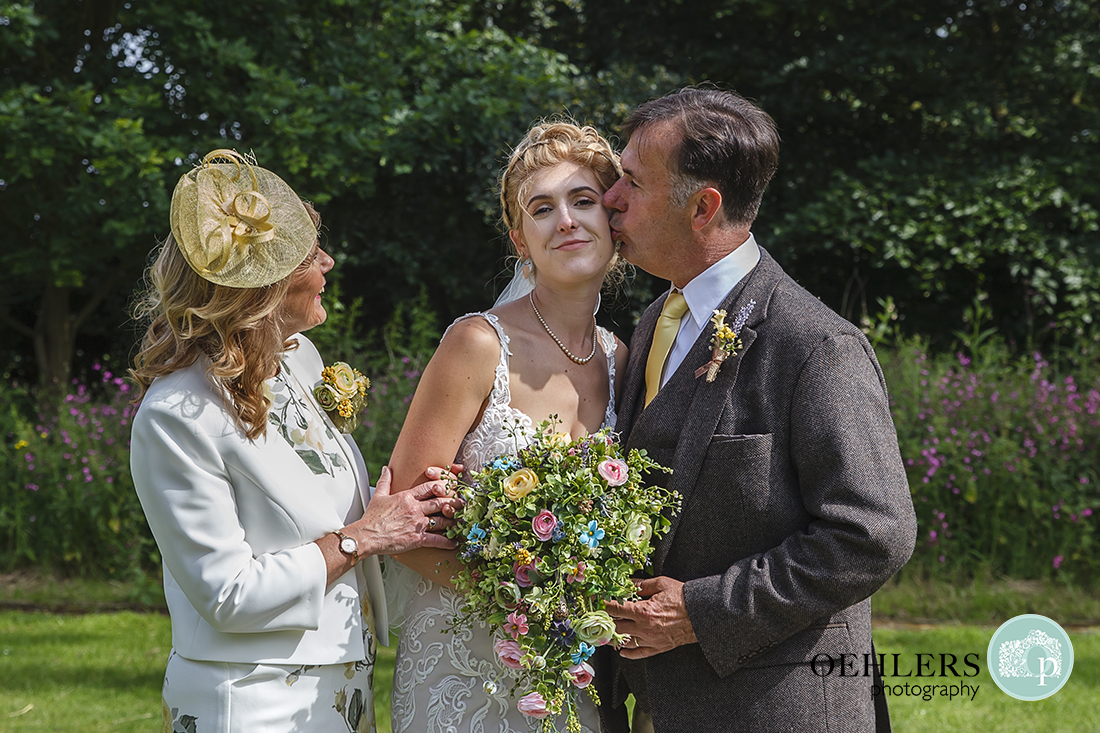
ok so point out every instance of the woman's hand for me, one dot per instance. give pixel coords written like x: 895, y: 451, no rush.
x: 410, y: 519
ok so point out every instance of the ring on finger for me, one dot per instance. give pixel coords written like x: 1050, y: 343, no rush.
x: 431, y: 522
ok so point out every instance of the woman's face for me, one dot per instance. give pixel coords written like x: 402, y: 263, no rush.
x: 563, y: 225
x: 302, y: 309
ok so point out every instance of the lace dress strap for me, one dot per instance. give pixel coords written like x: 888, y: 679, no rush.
x: 609, y: 343
x: 500, y: 424
x: 501, y: 396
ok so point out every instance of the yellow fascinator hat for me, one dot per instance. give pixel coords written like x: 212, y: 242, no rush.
x: 237, y: 224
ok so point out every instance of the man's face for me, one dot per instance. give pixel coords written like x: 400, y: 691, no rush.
x: 648, y: 226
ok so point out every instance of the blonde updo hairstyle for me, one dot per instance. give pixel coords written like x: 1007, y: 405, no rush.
x: 544, y: 146
x: 238, y: 329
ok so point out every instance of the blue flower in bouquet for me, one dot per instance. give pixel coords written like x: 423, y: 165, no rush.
x: 475, y: 534
x: 504, y: 464
x: 592, y: 534
x: 562, y: 632
x: 559, y: 532
x: 584, y: 651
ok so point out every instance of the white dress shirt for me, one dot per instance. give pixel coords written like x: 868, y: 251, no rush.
x: 704, y: 294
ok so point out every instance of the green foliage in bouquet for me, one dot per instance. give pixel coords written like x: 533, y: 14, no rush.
x: 549, y: 536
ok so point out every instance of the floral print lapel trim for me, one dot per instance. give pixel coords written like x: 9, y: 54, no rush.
x: 301, y: 426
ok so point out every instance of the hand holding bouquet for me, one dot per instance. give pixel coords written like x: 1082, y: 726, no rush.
x: 551, y: 535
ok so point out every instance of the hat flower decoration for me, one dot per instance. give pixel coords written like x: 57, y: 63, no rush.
x: 237, y: 224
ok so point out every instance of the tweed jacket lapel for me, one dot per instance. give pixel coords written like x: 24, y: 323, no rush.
x: 696, y: 404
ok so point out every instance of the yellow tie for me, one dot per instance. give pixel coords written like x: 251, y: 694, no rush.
x: 668, y: 325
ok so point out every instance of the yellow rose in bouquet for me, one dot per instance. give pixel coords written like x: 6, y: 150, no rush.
x: 520, y: 484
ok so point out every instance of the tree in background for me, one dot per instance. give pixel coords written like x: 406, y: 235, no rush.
x: 932, y: 150
x: 392, y: 116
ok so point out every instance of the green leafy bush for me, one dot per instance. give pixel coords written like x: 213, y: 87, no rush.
x: 1002, y: 455
x: 67, y: 501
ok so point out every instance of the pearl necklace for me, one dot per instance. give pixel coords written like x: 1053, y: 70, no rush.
x: 567, y: 352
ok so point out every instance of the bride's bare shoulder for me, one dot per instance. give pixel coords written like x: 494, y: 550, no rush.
x: 469, y: 344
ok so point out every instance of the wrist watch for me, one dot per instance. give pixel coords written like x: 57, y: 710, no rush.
x: 348, y: 546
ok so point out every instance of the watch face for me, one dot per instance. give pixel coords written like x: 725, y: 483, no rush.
x: 349, y: 545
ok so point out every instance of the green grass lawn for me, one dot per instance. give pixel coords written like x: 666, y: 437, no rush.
x: 102, y: 672
x: 1070, y: 710
x: 98, y: 672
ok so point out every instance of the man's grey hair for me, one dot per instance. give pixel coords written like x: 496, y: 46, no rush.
x: 683, y: 187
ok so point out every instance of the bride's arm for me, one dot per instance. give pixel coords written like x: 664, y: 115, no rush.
x: 449, y: 400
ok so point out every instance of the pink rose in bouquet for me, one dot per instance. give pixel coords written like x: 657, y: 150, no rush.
x: 582, y: 674
x: 509, y: 652
x: 614, y: 471
x: 533, y: 705
x: 543, y: 524
x: 523, y: 574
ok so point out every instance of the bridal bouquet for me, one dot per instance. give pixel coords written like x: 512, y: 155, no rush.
x: 549, y: 536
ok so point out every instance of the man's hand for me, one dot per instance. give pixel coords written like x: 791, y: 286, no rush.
x: 657, y: 623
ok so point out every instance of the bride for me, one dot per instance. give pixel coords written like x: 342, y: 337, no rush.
x: 537, y: 353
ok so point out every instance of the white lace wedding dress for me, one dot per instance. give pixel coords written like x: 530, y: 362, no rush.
x: 443, y: 682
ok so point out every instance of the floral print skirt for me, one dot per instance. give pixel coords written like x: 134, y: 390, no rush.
x: 220, y: 697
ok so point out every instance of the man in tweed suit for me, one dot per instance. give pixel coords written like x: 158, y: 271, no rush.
x: 796, y: 506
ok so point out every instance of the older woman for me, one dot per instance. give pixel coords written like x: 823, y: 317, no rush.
x: 537, y: 353
x: 260, y: 507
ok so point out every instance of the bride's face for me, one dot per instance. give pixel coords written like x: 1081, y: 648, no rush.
x: 564, y: 227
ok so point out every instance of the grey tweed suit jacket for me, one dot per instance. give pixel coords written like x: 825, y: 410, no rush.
x: 795, y: 510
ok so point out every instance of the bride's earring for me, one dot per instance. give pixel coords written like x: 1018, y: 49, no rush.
x: 528, y: 267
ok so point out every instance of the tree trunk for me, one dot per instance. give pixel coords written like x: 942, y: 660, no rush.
x: 54, y: 339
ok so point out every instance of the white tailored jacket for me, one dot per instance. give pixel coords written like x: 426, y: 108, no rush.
x: 236, y: 520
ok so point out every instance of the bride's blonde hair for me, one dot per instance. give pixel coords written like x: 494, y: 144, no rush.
x: 546, y: 145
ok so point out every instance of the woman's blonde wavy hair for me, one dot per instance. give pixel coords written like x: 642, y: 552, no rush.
x: 546, y: 145
x: 238, y: 329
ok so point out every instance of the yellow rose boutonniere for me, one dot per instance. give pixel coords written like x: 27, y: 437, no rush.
x: 342, y: 394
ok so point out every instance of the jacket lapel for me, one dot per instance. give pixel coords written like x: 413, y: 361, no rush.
x: 700, y: 403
